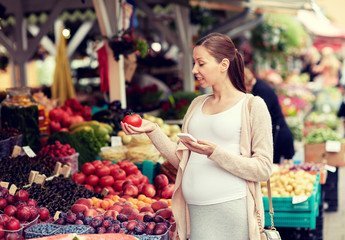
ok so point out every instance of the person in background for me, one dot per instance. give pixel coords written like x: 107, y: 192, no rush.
x: 283, y: 141
x: 329, y: 68
x: 217, y: 189
x: 313, y: 57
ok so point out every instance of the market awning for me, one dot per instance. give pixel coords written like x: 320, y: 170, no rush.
x: 319, y: 25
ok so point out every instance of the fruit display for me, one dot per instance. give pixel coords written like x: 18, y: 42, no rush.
x: 19, y: 212
x: 59, y: 194
x: 134, y: 216
x: 92, y: 134
x: 122, y: 178
x: 289, y: 184
x: 72, y: 112
x: 17, y: 170
x: 58, y: 152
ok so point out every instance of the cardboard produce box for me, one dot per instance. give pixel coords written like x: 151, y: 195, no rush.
x: 317, y: 152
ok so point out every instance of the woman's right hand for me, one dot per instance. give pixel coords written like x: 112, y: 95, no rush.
x: 146, y: 127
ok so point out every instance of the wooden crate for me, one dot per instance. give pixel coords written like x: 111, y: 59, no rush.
x: 314, y: 153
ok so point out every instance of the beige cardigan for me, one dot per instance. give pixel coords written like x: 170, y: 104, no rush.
x: 254, y: 164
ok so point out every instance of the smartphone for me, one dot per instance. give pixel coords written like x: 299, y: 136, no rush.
x: 185, y: 136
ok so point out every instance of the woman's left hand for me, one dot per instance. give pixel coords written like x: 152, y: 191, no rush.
x: 201, y: 146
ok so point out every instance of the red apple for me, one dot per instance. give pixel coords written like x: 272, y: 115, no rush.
x: 2, y: 232
x: 91, y: 212
x: 31, y: 202
x: 33, y: 213
x: 112, y: 213
x: 3, y: 203
x: 160, y: 181
x: 4, y: 218
x: 131, y: 190
x: 10, y: 210
x: 149, y: 190
x: 10, y: 199
x: 22, y: 195
x: 13, y: 224
x: 83, y: 201
x: 44, y: 213
x: 23, y: 213
x: 4, y: 192
x: 134, y: 178
x: 168, y: 191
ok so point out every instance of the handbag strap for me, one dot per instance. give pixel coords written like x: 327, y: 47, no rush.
x: 271, y: 210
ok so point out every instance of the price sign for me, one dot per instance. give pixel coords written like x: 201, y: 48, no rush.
x: 333, y: 146
x: 116, y: 141
x: 299, y: 199
x: 29, y: 151
x: 330, y: 168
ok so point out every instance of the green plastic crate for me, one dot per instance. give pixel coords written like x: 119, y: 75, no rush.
x: 287, y: 214
x: 284, y: 204
x: 149, y: 169
x: 293, y: 220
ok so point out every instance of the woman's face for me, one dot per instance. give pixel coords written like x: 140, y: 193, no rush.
x: 206, y: 69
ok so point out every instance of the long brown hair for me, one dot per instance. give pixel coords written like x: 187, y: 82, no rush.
x: 221, y: 46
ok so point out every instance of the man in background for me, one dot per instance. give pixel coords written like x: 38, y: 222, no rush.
x: 283, y: 142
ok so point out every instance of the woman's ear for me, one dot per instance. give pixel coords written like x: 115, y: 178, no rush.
x: 225, y: 63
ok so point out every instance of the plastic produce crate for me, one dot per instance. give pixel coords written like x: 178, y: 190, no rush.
x: 287, y: 214
x: 149, y: 169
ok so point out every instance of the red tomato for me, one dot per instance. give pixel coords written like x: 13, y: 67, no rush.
x: 106, y: 181
x: 134, y: 178
x: 92, y: 180
x: 110, y: 189
x: 97, y: 163
x: 107, y: 162
x: 130, y: 169
x: 118, y: 185
x: 133, y: 119
x: 87, y: 186
x: 102, y: 171
x: 88, y: 168
x: 113, y: 167
x: 79, y: 177
x: 118, y: 174
x: 124, y: 163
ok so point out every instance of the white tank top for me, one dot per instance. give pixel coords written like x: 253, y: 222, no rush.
x: 204, y: 181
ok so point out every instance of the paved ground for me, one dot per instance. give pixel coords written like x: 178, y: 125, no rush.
x: 334, y: 222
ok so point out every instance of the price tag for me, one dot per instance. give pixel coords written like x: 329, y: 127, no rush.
x: 116, y: 141
x: 330, y: 168
x: 4, y: 184
x: 16, y: 151
x: 57, y: 215
x: 299, y: 199
x: 29, y: 151
x: 13, y: 189
x: 333, y: 146
x: 32, y: 176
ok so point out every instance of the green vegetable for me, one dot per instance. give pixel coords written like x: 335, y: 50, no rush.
x: 85, y: 154
x: 92, y: 141
x: 321, y: 135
